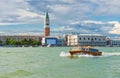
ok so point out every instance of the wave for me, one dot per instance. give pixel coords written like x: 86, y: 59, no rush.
x: 111, y: 54
x: 64, y: 54
x: 104, y: 54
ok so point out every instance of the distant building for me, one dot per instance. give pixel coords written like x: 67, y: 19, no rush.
x: 53, y: 41
x: 114, y: 42
x: 86, y: 40
x: 64, y: 40
x: 46, y: 25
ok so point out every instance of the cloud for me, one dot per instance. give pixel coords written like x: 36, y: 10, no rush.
x: 4, y: 24
x: 75, y: 22
x: 113, y: 22
x: 64, y: 28
x: 94, y: 22
x: 25, y: 14
x: 29, y: 33
x: 105, y: 7
x: 115, y: 29
x: 89, y: 16
x: 92, y: 27
x: 29, y: 17
x: 61, y: 11
x: 20, y: 33
x: 18, y: 11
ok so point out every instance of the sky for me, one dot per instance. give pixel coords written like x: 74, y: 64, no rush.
x: 78, y: 16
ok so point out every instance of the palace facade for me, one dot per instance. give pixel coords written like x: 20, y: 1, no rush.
x: 86, y: 40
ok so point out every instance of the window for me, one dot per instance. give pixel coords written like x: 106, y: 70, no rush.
x: 88, y: 38
x: 95, y: 38
x: 84, y: 38
x: 92, y: 39
x: 79, y: 38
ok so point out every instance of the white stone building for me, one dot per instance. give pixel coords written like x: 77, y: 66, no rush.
x: 114, y: 42
x: 86, y: 40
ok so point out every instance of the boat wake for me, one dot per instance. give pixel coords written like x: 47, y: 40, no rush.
x: 111, y: 54
x: 104, y: 54
x: 64, y: 54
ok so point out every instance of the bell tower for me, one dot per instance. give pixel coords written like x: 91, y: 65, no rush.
x: 46, y: 24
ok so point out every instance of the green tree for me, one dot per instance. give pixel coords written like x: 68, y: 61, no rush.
x: 30, y: 42
x: 18, y: 43
x: 10, y: 41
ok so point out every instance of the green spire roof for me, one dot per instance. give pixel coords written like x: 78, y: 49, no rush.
x: 47, y: 16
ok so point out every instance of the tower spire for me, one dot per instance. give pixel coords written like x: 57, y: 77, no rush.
x: 46, y: 19
x: 46, y: 24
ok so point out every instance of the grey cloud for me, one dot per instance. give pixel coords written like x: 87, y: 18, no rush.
x: 61, y: 12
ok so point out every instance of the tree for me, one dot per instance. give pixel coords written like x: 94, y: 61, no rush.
x: 30, y: 42
x: 10, y: 41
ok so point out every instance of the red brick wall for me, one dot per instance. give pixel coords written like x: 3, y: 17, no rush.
x: 47, y: 31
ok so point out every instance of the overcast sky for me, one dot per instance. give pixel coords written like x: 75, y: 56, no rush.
x: 86, y: 16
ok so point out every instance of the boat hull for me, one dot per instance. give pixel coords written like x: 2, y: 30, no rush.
x: 85, y: 52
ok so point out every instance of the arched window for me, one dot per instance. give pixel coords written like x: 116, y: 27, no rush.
x: 84, y: 38
x: 80, y: 38
x: 88, y: 38
x: 92, y: 39
x: 95, y: 38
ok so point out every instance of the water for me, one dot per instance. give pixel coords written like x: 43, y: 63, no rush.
x: 54, y: 62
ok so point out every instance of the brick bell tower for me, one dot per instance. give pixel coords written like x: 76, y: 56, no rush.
x: 46, y: 24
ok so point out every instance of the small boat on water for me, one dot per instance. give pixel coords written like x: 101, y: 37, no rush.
x: 85, y: 51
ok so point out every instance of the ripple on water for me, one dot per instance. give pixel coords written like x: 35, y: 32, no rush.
x: 16, y: 74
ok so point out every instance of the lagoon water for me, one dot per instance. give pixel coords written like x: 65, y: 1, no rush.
x: 53, y: 62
